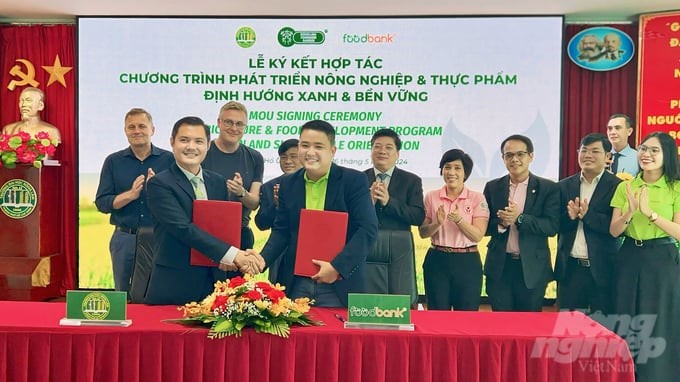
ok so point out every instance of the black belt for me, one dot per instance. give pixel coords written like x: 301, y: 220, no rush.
x: 651, y: 242
x: 581, y: 262
x: 131, y: 231
x: 514, y: 256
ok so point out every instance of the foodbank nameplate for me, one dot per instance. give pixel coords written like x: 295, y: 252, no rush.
x: 96, y: 308
x: 379, y: 310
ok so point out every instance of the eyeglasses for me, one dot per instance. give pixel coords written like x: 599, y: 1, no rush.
x: 653, y: 151
x: 230, y: 123
x: 520, y: 155
x: 584, y: 151
x: 292, y: 157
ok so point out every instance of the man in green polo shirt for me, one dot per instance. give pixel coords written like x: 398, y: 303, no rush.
x: 323, y: 185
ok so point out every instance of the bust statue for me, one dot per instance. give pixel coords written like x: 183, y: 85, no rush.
x: 31, y: 103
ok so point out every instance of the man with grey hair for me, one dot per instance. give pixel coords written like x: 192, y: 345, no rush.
x: 122, y: 191
x: 242, y: 166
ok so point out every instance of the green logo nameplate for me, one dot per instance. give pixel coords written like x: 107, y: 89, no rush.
x: 96, y: 308
x: 379, y: 310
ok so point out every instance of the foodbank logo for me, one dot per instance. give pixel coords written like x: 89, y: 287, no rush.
x: 18, y: 198
x: 245, y: 37
x: 96, y: 306
x: 288, y: 37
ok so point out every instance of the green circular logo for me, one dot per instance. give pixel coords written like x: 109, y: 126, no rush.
x: 18, y: 198
x: 245, y: 37
x: 285, y: 36
x: 96, y: 306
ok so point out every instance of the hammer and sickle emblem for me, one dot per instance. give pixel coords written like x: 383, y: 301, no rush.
x: 26, y: 78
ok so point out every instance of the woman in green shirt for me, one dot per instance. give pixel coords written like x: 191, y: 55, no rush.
x: 647, y: 213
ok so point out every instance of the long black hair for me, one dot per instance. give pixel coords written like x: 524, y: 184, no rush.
x: 670, y: 154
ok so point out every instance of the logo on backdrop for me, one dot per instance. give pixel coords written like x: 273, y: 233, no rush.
x: 245, y: 37
x: 18, y: 198
x: 601, y: 49
x: 288, y: 37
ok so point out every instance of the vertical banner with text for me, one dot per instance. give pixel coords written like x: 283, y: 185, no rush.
x: 659, y: 77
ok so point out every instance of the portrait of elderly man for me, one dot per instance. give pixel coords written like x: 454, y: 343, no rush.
x: 590, y: 48
x: 31, y: 103
x: 612, y: 47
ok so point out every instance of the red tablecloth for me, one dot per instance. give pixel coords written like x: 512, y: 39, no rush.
x: 446, y: 346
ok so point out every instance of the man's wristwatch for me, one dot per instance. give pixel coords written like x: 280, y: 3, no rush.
x: 520, y: 220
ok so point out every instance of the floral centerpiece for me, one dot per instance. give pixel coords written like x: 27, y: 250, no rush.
x: 23, y: 148
x: 241, y: 302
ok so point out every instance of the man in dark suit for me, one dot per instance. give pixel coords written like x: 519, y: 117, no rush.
x: 171, y: 194
x: 586, y: 250
x: 398, y: 199
x: 524, y: 213
x: 269, y: 196
x: 322, y: 185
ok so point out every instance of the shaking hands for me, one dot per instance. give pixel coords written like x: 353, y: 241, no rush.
x: 248, y: 261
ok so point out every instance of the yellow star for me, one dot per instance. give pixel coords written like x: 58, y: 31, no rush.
x: 57, y: 72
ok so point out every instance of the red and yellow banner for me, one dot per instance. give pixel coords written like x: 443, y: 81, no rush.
x: 659, y: 74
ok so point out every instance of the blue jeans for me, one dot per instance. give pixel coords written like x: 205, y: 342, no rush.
x: 122, y: 248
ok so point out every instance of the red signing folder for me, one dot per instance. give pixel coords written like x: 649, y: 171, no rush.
x: 219, y: 218
x: 321, y: 237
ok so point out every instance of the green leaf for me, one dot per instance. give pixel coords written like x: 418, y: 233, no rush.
x: 223, y: 326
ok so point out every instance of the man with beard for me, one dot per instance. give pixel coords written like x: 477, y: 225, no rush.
x: 590, y: 48
x: 31, y: 103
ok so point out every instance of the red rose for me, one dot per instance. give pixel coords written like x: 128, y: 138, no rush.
x: 219, y: 302
x: 236, y: 282
x: 253, y: 295
x: 42, y: 135
x: 264, y: 286
x: 275, y: 295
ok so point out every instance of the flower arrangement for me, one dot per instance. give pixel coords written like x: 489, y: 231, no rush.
x: 23, y: 148
x: 241, y: 302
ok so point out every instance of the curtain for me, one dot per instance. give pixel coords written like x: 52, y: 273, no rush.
x: 590, y: 97
x: 40, y: 45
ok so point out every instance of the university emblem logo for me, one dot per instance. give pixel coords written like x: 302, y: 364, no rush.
x: 18, y: 198
x: 96, y: 306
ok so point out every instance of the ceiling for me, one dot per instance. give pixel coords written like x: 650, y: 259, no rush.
x: 42, y: 11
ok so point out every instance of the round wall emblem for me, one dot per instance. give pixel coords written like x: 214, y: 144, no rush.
x: 245, y: 37
x: 96, y: 306
x: 18, y: 198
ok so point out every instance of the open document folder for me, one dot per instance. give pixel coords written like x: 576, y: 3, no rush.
x: 219, y: 218
x: 321, y: 237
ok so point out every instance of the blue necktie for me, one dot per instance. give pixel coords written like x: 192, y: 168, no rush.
x: 382, y: 176
x: 615, y: 163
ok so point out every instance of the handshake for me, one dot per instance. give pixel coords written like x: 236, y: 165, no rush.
x: 248, y: 261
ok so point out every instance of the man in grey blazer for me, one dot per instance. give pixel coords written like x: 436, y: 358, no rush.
x: 524, y: 212
x: 398, y: 199
x: 586, y: 250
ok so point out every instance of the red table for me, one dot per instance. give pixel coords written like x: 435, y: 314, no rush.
x: 446, y: 346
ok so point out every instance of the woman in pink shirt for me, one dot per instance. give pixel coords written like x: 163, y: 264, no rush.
x: 455, y: 220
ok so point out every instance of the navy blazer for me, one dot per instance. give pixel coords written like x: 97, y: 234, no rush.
x: 266, y: 213
x: 405, y: 207
x: 347, y: 191
x: 171, y: 197
x: 602, y: 246
x: 541, y: 217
